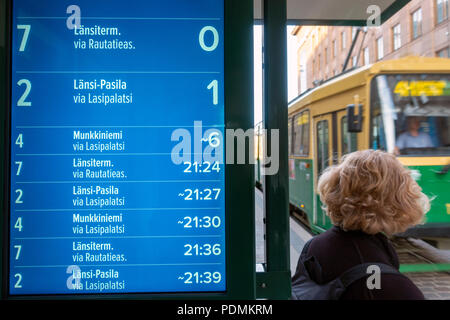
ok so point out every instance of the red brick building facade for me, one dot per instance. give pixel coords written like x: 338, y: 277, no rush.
x: 421, y: 28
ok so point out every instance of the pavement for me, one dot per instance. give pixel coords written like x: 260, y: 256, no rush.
x: 298, y: 235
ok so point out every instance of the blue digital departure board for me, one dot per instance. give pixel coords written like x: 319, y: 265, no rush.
x: 117, y: 126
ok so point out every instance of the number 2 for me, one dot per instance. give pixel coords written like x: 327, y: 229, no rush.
x: 22, y: 102
x: 19, y: 197
x: 19, y: 280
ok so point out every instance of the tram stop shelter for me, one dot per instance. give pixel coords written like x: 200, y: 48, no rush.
x: 274, y: 283
x: 239, y: 17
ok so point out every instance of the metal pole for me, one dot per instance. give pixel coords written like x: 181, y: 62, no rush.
x: 275, y: 113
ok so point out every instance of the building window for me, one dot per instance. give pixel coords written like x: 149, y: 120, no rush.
x: 443, y: 53
x: 417, y: 23
x: 343, y: 40
x: 326, y: 56
x: 396, y: 36
x: 354, y: 32
x: 314, y: 69
x: 441, y: 10
x: 366, y: 56
x: 334, y: 48
x: 354, y: 60
x: 319, y: 62
x: 380, y: 48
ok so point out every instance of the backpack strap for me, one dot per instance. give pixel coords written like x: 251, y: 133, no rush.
x: 360, y: 271
x: 301, y: 260
x: 306, y: 247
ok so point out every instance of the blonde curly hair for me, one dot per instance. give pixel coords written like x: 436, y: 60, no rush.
x: 373, y: 192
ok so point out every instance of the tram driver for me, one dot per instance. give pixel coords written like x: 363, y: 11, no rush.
x: 413, y: 138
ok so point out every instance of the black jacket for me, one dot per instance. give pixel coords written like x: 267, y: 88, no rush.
x: 336, y: 251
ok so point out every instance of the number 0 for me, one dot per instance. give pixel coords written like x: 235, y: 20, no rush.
x: 201, y: 38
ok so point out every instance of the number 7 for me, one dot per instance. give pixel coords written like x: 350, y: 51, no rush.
x: 19, y: 248
x: 26, y: 33
x: 19, y: 167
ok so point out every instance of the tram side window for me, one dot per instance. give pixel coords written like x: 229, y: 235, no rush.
x: 322, y: 145
x: 349, y: 140
x: 301, y: 134
x: 290, y: 136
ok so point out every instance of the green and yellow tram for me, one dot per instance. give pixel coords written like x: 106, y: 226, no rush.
x: 376, y: 107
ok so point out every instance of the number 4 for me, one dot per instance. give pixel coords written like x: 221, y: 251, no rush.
x: 18, y: 225
x: 19, y: 140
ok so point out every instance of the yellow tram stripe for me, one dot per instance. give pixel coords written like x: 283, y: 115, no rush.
x: 300, y: 158
x: 424, y: 161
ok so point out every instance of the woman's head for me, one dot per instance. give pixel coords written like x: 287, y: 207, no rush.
x: 371, y: 191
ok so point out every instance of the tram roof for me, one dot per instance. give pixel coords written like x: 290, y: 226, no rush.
x: 358, y: 77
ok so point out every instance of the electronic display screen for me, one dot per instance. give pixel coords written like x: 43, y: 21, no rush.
x: 117, y: 125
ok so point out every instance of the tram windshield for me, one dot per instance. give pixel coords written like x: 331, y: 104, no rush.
x: 410, y: 114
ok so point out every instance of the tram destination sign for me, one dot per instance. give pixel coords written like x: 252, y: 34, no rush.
x: 101, y: 93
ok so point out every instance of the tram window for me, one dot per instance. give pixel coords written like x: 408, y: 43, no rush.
x: 322, y: 145
x: 289, y: 136
x: 411, y: 114
x: 301, y: 134
x: 378, y: 138
x: 348, y: 139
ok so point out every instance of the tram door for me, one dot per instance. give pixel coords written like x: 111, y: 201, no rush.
x: 324, y: 126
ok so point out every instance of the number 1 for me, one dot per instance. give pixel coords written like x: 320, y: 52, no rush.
x: 215, y: 86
